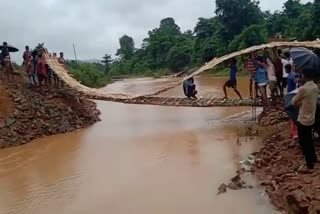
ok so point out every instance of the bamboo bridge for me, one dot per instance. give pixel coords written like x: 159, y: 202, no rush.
x: 155, y: 99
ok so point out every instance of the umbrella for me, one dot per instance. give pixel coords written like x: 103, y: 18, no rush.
x: 10, y: 48
x: 292, y: 110
x: 304, y: 58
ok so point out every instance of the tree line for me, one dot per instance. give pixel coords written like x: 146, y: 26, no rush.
x: 236, y: 24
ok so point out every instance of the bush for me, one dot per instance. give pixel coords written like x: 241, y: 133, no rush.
x: 89, y: 74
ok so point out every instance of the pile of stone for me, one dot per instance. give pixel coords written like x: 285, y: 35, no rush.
x: 36, y: 114
x: 272, y: 117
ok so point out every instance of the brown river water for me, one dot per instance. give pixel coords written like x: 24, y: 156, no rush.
x: 137, y: 160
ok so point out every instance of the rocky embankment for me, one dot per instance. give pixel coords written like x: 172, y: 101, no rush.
x: 33, y: 114
x: 280, y: 167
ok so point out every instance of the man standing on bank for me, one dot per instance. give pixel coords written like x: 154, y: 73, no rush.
x: 306, y: 100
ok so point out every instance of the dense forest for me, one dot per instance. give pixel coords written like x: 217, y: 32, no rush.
x: 236, y: 24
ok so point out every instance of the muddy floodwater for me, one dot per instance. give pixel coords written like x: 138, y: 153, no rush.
x: 137, y: 160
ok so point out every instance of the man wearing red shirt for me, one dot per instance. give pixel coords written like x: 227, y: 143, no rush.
x: 41, y: 69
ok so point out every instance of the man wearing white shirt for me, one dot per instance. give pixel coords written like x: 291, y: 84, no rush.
x: 306, y: 100
x: 284, y: 61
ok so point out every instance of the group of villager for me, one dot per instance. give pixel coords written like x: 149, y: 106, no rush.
x: 277, y: 72
x: 39, y: 74
x: 283, y: 76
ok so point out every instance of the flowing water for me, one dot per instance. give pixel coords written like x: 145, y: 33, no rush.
x: 138, y: 160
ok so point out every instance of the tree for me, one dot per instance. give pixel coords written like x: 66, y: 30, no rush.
x: 126, y: 50
x: 205, y: 28
x: 209, y: 41
x: 107, y: 60
x: 293, y: 8
x: 235, y: 15
x: 303, y: 31
x: 168, y: 26
x: 159, y: 43
x: 253, y: 35
x: 316, y: 19
x: 178, y: 58
x: 188, y: 33
x: 276, y: 23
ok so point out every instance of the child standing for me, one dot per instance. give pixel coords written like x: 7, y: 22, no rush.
x: 291, y: 78
x: 291, y: 86
x: 30, y: 71
x: 262, y: 80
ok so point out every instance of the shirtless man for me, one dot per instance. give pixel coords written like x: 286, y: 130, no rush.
x: 61, y: 59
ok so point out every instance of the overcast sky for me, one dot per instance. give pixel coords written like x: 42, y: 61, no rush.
x: 96, y: 25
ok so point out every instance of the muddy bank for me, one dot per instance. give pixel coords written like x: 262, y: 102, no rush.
x: 280, y: 166
x: 27, y: 114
